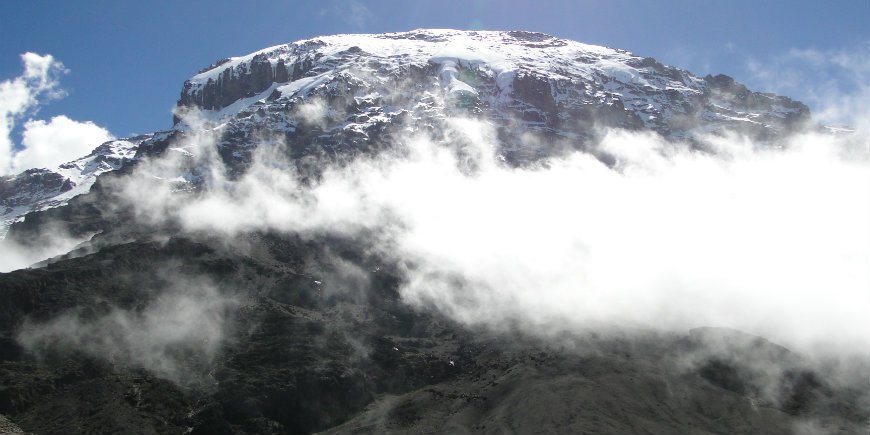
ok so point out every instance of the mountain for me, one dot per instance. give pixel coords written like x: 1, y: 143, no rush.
x: 547, y: 85
x: 373, y: 86
x: 150, y: 325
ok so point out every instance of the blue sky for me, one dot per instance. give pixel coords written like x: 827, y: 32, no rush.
x: 127, y: 60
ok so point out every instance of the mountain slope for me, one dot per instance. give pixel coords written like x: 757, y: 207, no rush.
x: 296, y: 356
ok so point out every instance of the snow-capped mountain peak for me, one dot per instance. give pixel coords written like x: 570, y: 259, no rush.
x: 547, y: 81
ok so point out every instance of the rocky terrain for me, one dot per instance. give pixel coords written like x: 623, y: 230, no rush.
x: 149, y: 327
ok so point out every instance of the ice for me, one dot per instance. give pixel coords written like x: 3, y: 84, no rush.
x: 303, y: 85
x: 621, y: 72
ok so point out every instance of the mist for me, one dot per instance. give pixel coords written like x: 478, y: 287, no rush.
x: 175, y: 335
x: 769, y: 239
x: 54, y: 240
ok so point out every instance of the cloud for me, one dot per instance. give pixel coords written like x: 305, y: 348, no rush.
x: 835, y: 82
x: 19, y: 95
x: 54, y: 240
x: 765, y: 241
x: 44, y: 144
x: 352, y: 12
x: 314, y: 112
x: 772, y: 241
x: 172, y: 335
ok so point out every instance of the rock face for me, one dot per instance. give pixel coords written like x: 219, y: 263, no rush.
x: 147, y: 328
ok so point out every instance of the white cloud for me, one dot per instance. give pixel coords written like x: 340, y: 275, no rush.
x: 314, y: 112
x: 53, y: 241
x: 44, y: 143
x: 60, y: 140
x: 19, y: 95
x: 770, y: 241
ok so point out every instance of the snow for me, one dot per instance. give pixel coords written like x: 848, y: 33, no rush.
x: 622, y: 72
x: 501, y: 56
x: 235, y: 62
x: 610, y: 74
x: 450, y: 81
x: 469, y: 52
x: 181, y: 150
x: 81, y: 174
x: 480, y: 65
x: 495, y: 52
x: 302, y: 86
x: 505, y: 79
x: 498, y: 55
x: 838, y: 130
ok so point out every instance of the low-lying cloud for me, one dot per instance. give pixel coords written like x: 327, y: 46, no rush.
x: 178, y: 332
x: 54, y: 240
x: 769, y: 240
